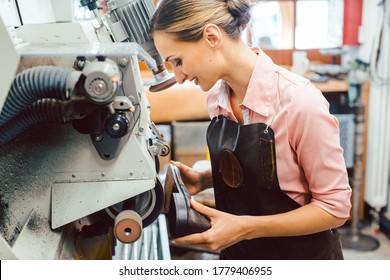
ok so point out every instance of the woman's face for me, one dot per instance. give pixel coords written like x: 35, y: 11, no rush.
x: 192, y: 61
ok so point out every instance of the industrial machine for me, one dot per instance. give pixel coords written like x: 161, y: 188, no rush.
x: 79, y: 155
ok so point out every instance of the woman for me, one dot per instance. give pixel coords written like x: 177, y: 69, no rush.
x: 280, y: 181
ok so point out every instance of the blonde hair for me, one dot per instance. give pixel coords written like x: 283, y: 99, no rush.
x: 185, y: 19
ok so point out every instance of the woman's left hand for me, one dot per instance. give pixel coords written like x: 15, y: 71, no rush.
x: 226, y: 229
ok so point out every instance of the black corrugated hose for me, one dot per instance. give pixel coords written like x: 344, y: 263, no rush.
x: 44, y: 110
x: 34, y: 84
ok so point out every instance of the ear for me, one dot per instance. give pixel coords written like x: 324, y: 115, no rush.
x: 212, y: 35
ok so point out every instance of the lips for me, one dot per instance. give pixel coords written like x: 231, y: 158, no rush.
x: 194, y: 80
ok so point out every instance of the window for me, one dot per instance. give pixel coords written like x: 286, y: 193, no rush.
x: 297, y: 24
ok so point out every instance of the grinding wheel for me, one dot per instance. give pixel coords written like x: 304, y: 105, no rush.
x: 148, y: 205
x: 128, y: 226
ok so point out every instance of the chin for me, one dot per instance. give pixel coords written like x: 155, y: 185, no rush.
x: 205, y: 87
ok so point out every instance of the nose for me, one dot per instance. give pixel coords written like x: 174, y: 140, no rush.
x: 180, y: 76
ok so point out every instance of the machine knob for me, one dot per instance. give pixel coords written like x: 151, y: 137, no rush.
x: 116, y: 125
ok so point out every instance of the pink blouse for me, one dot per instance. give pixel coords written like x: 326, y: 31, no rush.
x: 310, y: 162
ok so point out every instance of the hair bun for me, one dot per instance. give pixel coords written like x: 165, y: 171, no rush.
x: 240, y: 10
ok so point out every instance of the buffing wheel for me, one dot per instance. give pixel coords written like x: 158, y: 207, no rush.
x: 163, y: 85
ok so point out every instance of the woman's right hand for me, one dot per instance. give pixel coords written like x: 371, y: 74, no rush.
x: 194, y: 180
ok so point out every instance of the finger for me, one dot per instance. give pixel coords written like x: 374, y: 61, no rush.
x: 179, y: 165
x: 176, y: 163
x: 202, y: 208
x: 196, y: 238
x: 204, y: 246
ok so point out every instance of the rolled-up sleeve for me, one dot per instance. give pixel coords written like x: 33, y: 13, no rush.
x: 314, y: 136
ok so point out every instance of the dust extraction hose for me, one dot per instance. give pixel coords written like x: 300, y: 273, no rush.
x: 34, y: 84
x: 44, y: 110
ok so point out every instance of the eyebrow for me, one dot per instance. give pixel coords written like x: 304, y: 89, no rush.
x: 167, y: 59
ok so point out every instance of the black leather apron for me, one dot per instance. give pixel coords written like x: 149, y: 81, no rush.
x: 246, y: 183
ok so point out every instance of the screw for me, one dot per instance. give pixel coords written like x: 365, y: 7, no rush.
x: 80, y: 64
x: 99, y: 87
x: 98, y: 137
x: 123, y: 62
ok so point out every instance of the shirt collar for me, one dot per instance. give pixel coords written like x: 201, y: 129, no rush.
x: 260, y: 88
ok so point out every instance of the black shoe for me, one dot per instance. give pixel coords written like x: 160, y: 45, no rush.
x: 182, y: 219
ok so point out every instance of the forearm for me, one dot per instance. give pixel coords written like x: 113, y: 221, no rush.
x: 307, y: 219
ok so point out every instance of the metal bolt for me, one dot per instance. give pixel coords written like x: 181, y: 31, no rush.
x: 154, y: 150
x: 116, y: 127
x: 123, y: 62
x: 99, y: 87
x: 98, y: 137
x: 80, y: 64
x: 164, y: 151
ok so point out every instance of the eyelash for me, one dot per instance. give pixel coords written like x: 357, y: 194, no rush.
x: 179, y: 63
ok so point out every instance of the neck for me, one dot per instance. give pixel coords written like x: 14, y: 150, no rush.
x: 240, y: 62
